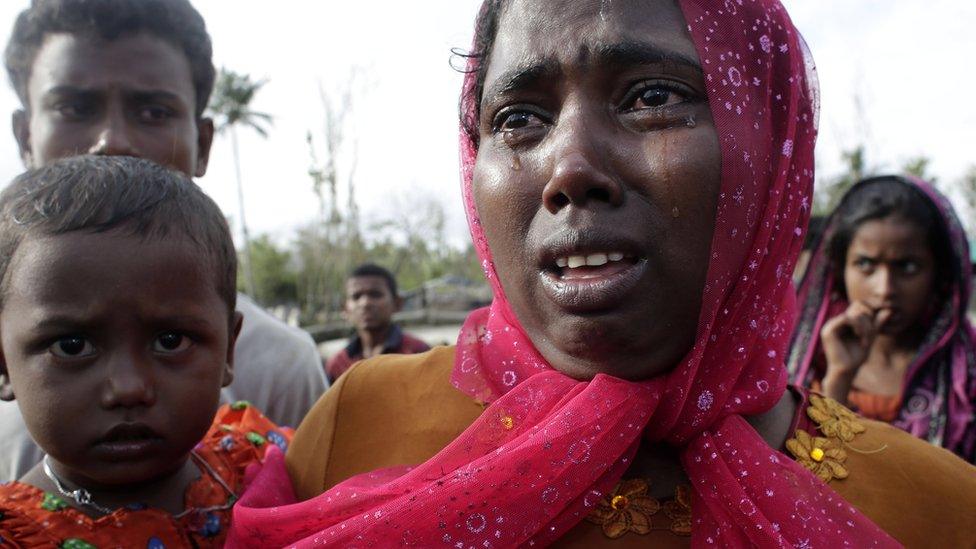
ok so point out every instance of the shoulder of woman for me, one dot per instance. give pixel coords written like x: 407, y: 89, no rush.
x: 385, y: 411
x: 921, y: 494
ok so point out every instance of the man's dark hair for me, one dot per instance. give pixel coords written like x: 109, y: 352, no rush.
x: 175, y: 21
x: 370, y: 269
x: 881, y: 197
x: 99, y: 194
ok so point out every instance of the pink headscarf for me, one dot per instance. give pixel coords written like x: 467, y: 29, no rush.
x: 549, y: 447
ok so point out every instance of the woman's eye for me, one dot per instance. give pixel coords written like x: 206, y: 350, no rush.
x: 653, y: 96
x: 517, y: 121
x: 72, y: 347
x: 909, y: 267
x: 171, y: 342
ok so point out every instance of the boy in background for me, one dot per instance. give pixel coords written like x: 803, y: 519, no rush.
x: 371, y: 300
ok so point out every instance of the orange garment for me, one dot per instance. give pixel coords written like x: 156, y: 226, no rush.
x: 239, y: 436
x: 401, y: 410
x: 880, y: 407
x: 872, y: 406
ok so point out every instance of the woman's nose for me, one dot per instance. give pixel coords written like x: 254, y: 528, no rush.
x: 579, y: 175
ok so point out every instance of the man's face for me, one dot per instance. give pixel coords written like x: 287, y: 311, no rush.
x: 133, y: 96
x: 369, y: 303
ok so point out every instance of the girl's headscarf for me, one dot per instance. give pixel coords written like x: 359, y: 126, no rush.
x: 939, y: 391
x: 548, y: 447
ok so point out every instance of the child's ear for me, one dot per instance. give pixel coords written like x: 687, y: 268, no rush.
x: 231, y: 345
x: 397, y: 303
x: 6, y: 388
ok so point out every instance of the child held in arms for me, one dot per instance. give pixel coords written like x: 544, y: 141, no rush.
x: 117, y: 330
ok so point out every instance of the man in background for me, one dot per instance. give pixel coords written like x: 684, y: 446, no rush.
x: 371, y: 300
x: 133, y: 78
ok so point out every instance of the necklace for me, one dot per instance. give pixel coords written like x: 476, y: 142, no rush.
x: 83, y: 497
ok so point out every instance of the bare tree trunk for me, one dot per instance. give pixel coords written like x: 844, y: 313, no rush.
x: 248, y: 266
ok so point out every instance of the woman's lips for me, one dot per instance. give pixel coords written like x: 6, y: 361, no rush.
x: 591, y: 288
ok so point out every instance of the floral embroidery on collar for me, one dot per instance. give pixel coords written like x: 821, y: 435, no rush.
x: 627, y: 509
x: 679, y: 511
x: 820, y: 455
x: 825, y: 456
x: 833, y: 419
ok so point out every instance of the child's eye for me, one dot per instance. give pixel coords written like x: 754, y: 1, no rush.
x: 171, y: 342
x: 72, y: 347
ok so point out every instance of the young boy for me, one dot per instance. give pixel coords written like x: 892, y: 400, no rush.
x: 117, y: 329
x: 133, y: 77
x: 371, y: 300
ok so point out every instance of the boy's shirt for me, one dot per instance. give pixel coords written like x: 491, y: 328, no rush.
x: 239, y: 436
x: 397, y: 342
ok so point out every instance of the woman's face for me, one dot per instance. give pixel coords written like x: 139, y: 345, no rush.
x: 597, y: 179
x: 890, y: 265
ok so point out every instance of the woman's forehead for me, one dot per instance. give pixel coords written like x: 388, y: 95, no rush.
x: 574, y: 32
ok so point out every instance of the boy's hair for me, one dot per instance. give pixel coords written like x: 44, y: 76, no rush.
x: 370, y: 269
x: 175, y: 21
x: 115, y: 193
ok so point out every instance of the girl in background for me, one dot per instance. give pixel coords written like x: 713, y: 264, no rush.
x: 883, y: 325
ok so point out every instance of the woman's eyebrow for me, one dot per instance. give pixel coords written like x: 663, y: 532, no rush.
x: 530, y: 73
x: 525, y: 75
x: 641, y: 53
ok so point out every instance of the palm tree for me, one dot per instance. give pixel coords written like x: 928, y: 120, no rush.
x: 230, y: 108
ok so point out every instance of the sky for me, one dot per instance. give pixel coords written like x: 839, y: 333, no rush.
x: 906, y: 61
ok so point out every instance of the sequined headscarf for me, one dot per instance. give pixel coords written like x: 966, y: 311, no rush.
x: 548, y: 447
x: 939, y: 391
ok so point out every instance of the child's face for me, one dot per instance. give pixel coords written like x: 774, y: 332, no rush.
x: 116, y: 349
